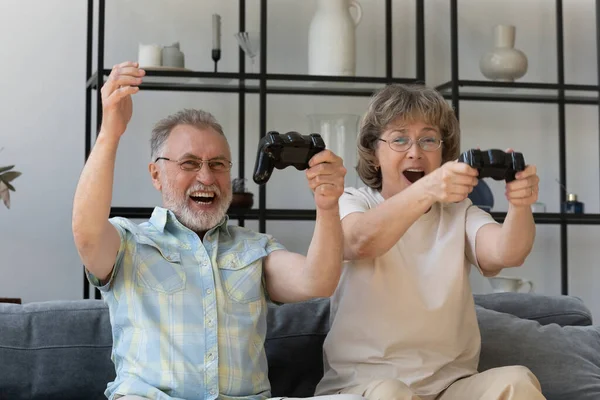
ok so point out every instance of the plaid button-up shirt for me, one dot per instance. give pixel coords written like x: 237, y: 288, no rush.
x: 188, y: 317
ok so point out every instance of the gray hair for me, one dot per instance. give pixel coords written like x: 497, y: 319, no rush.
x: 412, y: 103
x: 197, y: 118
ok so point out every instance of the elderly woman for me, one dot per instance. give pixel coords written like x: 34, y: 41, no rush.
x: 403, y: 317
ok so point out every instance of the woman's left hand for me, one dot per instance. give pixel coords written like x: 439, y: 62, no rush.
x: 523, y: 191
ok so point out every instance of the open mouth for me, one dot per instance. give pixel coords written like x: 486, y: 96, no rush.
x: 413, y: 174
x: 203, y: 197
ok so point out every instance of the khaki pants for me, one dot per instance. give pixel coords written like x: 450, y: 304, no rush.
x: 506, y: 383
x: 331, y: 397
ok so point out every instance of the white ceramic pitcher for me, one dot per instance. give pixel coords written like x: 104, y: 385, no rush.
x: 332, y: 38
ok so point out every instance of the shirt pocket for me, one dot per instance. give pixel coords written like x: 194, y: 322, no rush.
x: 159, y: 268
x: 241, y: 274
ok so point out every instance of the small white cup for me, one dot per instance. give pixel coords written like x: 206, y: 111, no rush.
x: 538, y: 207
x: 149, y: 55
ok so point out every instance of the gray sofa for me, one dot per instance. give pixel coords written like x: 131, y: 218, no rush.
x: 61, y: 349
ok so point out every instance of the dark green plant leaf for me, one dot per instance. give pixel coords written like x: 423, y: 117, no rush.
x: 9, y: 176
x: 4, y: 169
x: 8, y: 185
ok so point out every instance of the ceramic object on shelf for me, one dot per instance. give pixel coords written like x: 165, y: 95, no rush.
x: 538, y: 207
x: 332, y: 38
x: 242, y: 200
x: 504, y: 63
x: 149, y: 55
x: 172, y: 56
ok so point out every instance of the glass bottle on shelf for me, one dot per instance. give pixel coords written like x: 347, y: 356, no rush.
x: 339, y: 132
x: 572, y: 205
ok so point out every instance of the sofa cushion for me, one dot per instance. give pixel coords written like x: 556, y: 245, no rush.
x: 294, y: 346
x: 561, y: 310
x: 566, y: 360
x: 55, y: 350
x: 61, y: 349
x: 296, y: 333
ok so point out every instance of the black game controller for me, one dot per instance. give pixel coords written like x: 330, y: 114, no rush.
x: 495, y: 164
x: 281, y: 151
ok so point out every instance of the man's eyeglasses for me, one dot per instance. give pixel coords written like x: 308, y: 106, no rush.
x: 403, y: 143
x: 215, y: 165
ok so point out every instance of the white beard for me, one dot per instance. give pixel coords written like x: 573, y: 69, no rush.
x: 194, y: 220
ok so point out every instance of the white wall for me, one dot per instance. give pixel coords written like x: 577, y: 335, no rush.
x: 42, y: 81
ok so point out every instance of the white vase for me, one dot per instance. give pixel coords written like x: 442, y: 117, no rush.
x: 339, y: 132
x: 332, y: 38
x: 504, y: 63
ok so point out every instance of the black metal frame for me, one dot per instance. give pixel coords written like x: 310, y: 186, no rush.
x: 557, y: 95
x: 258, y: 83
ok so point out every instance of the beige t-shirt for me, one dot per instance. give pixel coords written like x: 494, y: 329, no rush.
x: 409, y: 313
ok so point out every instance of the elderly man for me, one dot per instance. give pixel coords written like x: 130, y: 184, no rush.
x: 186, y: 291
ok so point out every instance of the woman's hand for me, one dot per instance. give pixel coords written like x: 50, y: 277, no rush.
x: 450, y: 183
x: 523, y: 191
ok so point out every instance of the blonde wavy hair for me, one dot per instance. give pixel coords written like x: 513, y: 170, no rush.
x: 411, y: 103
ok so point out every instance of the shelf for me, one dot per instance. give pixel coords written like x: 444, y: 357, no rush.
x: 523, y: 92
x: 309, y: 215
x: 294, y: 84
x: 251, y: 82
x: 557, y: 218
x: 228, y: 82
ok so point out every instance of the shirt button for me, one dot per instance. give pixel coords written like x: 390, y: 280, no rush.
x: 210, y: 322
x: 210, y: 356
x: 208, y: 291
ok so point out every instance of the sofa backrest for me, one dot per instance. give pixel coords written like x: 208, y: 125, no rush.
x: 55, y: 350
x: 62, y: 349
x: 545, y: 309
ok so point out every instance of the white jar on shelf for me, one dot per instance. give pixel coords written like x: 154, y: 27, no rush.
x: 332, y: 38
x: 149, y: 55
x: 504, y: 63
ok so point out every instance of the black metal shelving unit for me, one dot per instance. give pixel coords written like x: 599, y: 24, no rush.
x: 264, y: 83
x: 554, y: 93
